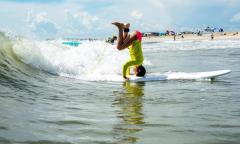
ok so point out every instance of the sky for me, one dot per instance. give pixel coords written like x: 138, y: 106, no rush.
x: 92, y: 18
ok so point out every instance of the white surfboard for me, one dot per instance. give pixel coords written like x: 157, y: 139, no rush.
x: 180, y: 76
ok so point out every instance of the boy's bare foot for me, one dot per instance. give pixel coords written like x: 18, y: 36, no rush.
x: 118, y: 24
x: 126, y: 25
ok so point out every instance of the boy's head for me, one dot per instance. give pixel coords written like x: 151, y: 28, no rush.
x: 140, y: 71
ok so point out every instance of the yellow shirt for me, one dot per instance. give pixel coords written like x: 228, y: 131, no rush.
x: 135, y: 50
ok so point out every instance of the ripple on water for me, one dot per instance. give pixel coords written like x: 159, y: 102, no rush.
x: 159, y: 125
x: 224, y: 126
x: 66, y: 122
x: 45, y: 142
x: 4, y: 141
x: 3, y: 128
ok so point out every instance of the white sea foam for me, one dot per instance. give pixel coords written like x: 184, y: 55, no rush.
x: 91, y: 60
x: 96, y: 60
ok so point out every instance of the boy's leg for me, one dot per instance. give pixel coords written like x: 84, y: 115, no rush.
x: 124, y: 43
x: 128, y: 40
x: 120, y: 27
x: 125, y: 34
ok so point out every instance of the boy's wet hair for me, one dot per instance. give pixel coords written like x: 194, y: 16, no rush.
x: 141, y: 71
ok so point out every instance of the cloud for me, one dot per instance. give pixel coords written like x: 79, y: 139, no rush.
x: 81, y: 18
x: 82, y: 22
x: 235, y: 18
x: 41, y: 25
x: 35, y: 1
x: 136, y: 14
x: 88, y: 18
x: 157, y: 3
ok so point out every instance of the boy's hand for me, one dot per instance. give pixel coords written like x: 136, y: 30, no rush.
x: 126, y: 78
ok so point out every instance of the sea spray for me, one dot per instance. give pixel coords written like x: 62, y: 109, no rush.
x: 93, y: 60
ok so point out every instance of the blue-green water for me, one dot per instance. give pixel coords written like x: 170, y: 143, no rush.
x: 71, y: 43
x: 45, y: 100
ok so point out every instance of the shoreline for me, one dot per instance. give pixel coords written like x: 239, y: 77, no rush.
x: 195, y: 37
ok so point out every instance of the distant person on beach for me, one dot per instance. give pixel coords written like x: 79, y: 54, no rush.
x: 111, y: 40
x: 221, y: 30
x: 212, y: 36
x: 133, y: 42
x: 199, y: 33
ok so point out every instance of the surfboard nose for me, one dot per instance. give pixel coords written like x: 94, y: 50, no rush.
x: 226, y: 71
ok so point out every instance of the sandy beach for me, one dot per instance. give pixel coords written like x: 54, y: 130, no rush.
x: 195, y: 37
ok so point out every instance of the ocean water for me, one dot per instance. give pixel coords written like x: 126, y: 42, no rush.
x: 52, y: 93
